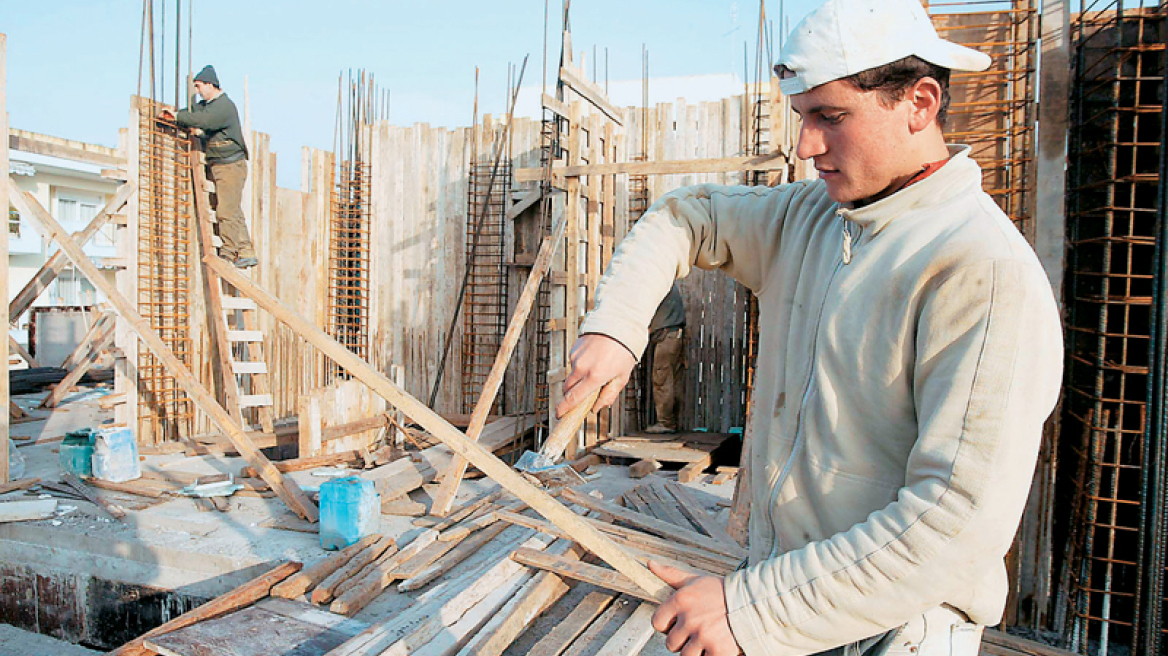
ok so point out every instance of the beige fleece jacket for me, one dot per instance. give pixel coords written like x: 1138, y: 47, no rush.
x: 910, y: 352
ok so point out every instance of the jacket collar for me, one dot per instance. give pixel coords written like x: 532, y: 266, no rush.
x: 952, y: 179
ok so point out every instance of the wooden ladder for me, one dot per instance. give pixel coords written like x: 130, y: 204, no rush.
x: 240, y: 365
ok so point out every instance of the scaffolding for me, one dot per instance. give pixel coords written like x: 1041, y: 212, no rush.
x: 1112, y: 593
x: 165, y: 219
x: 993, y: 111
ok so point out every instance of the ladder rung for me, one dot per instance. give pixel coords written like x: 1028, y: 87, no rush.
x: 238, y: 303
x: 249, y: 367
x: 245, y: 336
x: 255, y: 400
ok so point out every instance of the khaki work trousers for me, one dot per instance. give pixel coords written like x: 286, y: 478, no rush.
x: 229, y: 179
x: 668, y: 375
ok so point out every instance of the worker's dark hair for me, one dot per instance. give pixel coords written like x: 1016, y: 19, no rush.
x: 892, y: 80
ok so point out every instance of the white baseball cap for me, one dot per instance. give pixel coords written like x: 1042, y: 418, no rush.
x: 844, y: 37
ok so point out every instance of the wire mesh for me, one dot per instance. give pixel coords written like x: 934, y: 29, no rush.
x: 1113, y: 175
x: 165, y: 219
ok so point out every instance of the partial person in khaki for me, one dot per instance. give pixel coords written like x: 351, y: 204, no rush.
x: 216, y: 115
x: 667, y: 364
x: 910, y: 352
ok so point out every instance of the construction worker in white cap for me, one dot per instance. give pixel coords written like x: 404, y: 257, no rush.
x: 910, y: 352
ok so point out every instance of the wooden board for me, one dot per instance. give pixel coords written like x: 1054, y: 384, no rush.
x: 288, y: 628
x: 659, y: 451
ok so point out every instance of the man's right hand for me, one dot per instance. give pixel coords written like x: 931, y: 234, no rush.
x: 597, y: 361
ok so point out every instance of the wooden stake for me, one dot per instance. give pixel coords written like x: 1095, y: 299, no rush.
x: 244, y: 595
x: 324, y: 592
x: 478, y: 417
x: 286, y: 488
x: 582, y: 532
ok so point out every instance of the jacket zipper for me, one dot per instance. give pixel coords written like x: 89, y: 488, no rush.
x: 845, y: 259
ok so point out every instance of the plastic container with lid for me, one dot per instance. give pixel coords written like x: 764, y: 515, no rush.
x: 350, y: 509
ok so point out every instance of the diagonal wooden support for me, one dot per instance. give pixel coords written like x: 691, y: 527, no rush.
x: 97, y: 330
x: 285, y: 488
x: 57, y: 262
x: 79, y: 369
x: 572, y: 524
x: 16, y: 348
x: 478, y: 416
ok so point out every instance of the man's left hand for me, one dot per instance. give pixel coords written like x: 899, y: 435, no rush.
x: 694, y: 618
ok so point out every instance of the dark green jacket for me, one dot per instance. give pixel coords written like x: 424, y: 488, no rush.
x: 219, y: 121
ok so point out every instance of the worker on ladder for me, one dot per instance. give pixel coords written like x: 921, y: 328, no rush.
x: 910, y: 352
x: 215, y: 114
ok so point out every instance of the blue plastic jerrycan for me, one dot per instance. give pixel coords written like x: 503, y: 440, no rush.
x: 115, y: 455
x: 350, y: 509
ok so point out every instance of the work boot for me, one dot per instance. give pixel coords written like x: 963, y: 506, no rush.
x: 246, y: 262
x: 659, y: 428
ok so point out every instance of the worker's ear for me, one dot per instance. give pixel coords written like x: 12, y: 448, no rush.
x: 925, y: 99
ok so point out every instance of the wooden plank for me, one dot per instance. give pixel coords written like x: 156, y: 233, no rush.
x: 267, y: 634
x: 639, y: 542
x: 61, y: 389
x: 323, y: 592
x: 421, y: 623
x: 770, y: 162
x: 694, y: 470
x: 105, y: 323
x: 661, y: 452
x: 57, y: 262
x: 216, y: 322
x: 601, y: 577
x: 662, y: 505
x: 565, y: 432
x: 515, y: 329
x: 537, y: 595
x: 76, y: 484
x: 19, y: 511
x: 303, y: 612
x: 465, y: 549
x: 22, y: 484
x: 365, y: 591
x: 551, y: 103
x: 585, y: 645
x: 76, y: 151
x: 633, y: 635
x: 297, y: 585
x: 591, y: 93
x: 690, y: 507
x: 561, y: 636
x: 15, y: 347
x: 310, y: 437
x: 287, y: 489
x: 486, y: 461
x: 244, y: 595
x: 652, y: 525
x: 642, y: 468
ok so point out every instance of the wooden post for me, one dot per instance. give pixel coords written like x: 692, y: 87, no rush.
x: 478, y: 417
x: 287, y: 489
x: 4, y: 318
x: 555, y: 512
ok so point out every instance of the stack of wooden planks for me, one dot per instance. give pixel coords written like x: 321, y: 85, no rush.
x: 490, y: 576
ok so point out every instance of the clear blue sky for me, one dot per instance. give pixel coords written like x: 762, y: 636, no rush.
x: 73, y: 64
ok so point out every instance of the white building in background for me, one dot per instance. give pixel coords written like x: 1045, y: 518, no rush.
x: 66, y: 178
